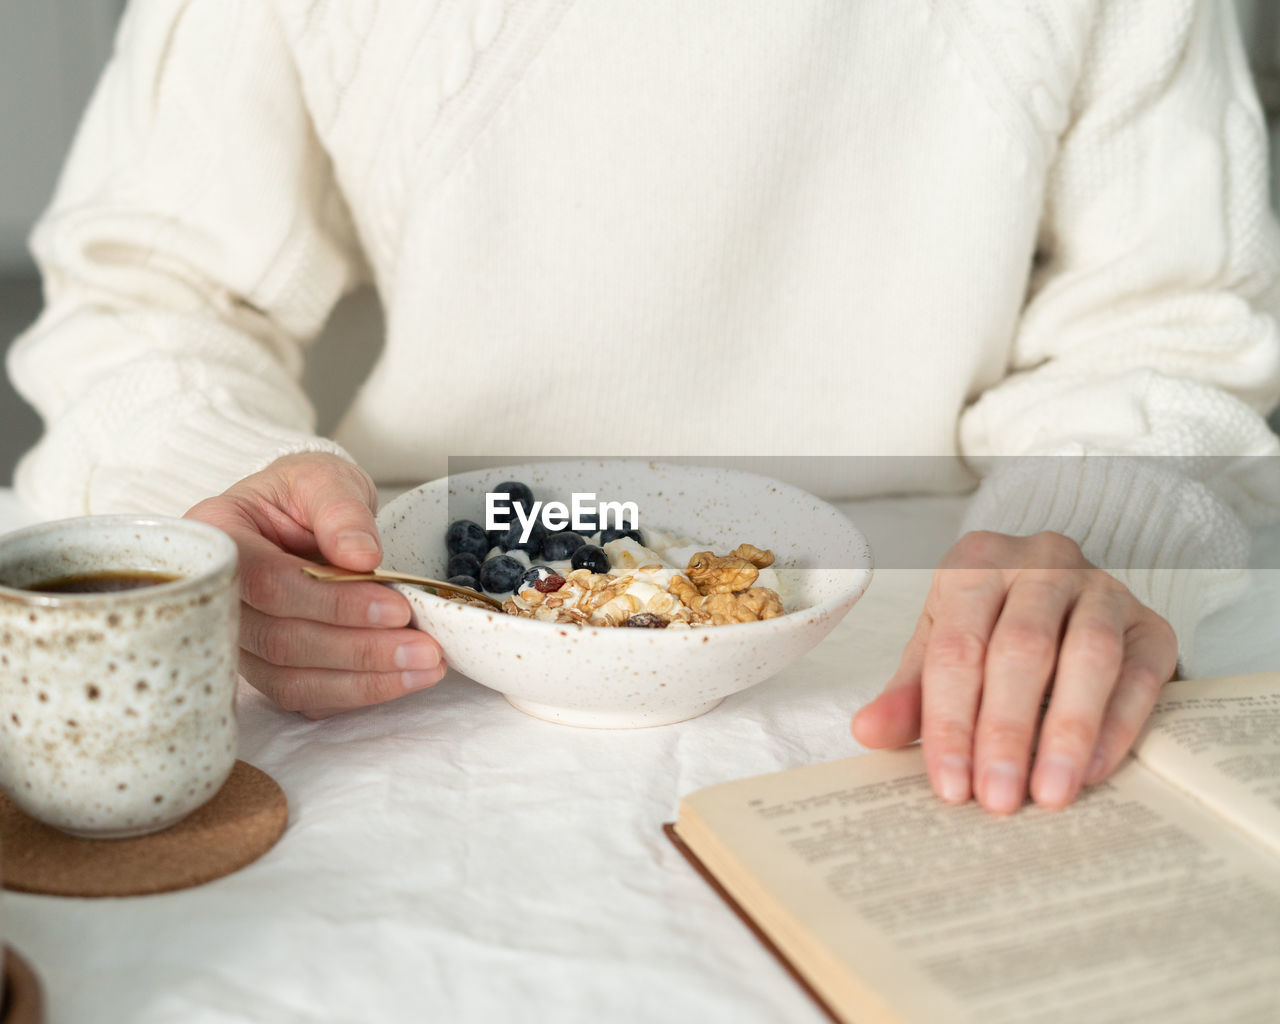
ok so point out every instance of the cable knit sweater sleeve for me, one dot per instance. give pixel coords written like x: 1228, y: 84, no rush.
x: 196, y: 242
x: 1147, y: 337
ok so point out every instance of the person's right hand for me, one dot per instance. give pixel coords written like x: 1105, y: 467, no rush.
x: 314, y: 647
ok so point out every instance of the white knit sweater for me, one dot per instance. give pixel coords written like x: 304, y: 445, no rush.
x: 949, y: 228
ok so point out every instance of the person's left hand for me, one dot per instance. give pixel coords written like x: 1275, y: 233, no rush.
x: 1007, y: 620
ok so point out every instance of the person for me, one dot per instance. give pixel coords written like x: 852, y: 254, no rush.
x: 992, y: 234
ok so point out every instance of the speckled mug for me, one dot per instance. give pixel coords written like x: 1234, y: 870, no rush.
x: 117, y: 713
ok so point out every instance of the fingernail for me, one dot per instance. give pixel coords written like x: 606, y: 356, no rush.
x: 357, y: 542
x: 1002, y: 786
x: 1096, y: 767
x: 417, y: 680
x: 1055, y: 779
x: 953, y: 778
x: 417, y: 655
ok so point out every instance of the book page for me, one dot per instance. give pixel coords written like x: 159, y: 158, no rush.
x: 1134, y: 904
x: 1219, y: 740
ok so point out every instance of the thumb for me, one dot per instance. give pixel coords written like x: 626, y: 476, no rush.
x: 338, y: 500
x: 893, y: 718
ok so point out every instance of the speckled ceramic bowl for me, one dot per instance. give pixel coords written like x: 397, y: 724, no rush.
x: 117, y: 709
x: 627, y: 678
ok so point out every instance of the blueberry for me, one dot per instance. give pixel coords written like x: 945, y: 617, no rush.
x: 536, y: 575
x: 495, y: 538
x: 559, y: 546
x: 464, y: 580
x: 510, y: 539
x: 608, y: 535
x: 464, y: 536
x: 501, y: 574
x: 464, y: 563
x: 590, y: 557
x: 520, y: 494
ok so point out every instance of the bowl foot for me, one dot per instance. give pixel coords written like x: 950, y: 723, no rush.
x: 587, y: 719
x: 117, y: 833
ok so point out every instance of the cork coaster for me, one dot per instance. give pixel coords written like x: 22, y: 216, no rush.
x: 23, y: 1002
x: 233, y: 829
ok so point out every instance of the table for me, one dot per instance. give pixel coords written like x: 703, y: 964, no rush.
x: 450, y: 859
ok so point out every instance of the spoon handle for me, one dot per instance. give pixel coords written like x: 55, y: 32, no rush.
x: 331, y: 574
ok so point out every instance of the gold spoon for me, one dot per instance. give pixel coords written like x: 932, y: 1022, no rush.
x: 331, y: 574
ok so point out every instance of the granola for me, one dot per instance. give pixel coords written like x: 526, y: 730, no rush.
x: 713, y: 590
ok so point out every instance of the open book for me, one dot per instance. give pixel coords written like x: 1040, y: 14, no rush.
x: 1156, y: 896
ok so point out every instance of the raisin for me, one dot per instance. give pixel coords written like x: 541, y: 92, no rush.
x: 646, y: 620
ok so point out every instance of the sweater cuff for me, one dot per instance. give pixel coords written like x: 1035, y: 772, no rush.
x: 163, y: 467
x: 1179, y: 548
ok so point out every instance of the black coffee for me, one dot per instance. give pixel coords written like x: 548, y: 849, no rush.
x: 101, y: 582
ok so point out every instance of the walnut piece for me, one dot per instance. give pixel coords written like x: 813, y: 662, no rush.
x: 727, y: 574
x: 761, y: 558
x: 683, y: 591
x: 719, y: 587
x: 761, y: 603
x: 748, y: 606
x: 723, y: 574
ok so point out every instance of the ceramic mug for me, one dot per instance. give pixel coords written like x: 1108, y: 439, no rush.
x: 117, y: 706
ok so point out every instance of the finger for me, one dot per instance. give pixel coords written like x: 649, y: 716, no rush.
x: 893, y: 718
x: 320, y: 714
x: 1019, y: 664
x: 966, y: 605
x: 311, y: 690
x: 1088, y: 668
x: 303, y: 643
x: 242, y: 515
x: 1151, y: 655
x: 272, y: 582
x: 336, y: 500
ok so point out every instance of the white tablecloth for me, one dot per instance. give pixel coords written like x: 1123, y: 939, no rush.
x: 450, y: 859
